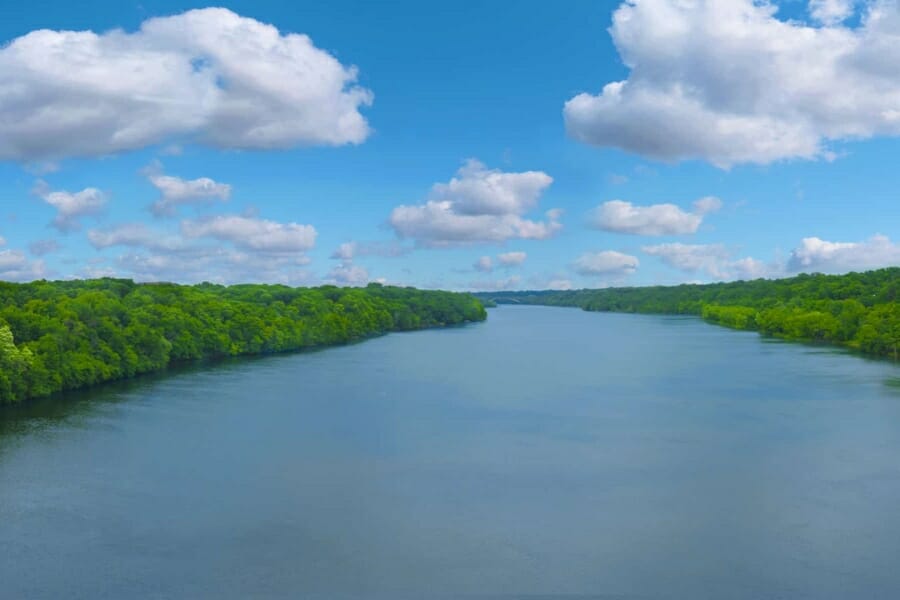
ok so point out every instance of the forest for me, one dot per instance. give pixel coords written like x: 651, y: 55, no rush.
x: 64, y: 335
x: 857, y: 310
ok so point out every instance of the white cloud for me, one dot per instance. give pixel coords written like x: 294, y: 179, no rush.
x: 812, y: 255
x: 205, y: 75
x: 729, y: 82
x: 71, y: 206
x: 815, y: 254
x: 506, y: 260
x: 477, y: 190
x: 167, y: 267
x: 215, y: 264
x: 716, y: 260
x: 2, y: 241
x: 252, y: 233
x: 96, y: 272
x: 511, y: 259
x: 385, y: 249
x: 254, y: 250
x: 751, y: 268
x: 831, y: 12
x: 555, y: 281
x: 10, y: 259
x: 479, y: 205
x: 15, y: 266
x: 345, y: 251
x: 495, y: 285
x: 707, y: 205
x: 175, y: 191
x: 657, y: 219
x: 485, y: 264
x: 135, y: 235
x: 607, y: 262
x: 711, y: 258
x: 349, y: 274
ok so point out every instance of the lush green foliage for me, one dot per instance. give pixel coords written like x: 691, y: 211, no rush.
x: 859, y: 310
x: 65, y: 335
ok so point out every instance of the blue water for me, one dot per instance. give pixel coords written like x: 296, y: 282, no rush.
x: 546, y: 452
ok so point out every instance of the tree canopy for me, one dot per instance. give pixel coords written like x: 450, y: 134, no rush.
x: 857, y: 310
x: 64, y: 335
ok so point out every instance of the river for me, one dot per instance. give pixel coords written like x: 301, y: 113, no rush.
x: 547, y: 451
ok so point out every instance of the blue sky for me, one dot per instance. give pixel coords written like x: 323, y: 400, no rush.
x: 475, y: 146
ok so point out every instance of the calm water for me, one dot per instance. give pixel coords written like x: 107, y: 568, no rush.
x: 545, y: 452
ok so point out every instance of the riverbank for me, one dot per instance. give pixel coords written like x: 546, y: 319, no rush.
x: 859, y: 311
x: 67, y: 335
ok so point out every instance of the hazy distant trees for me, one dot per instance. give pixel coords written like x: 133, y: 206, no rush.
x: 859, y: 310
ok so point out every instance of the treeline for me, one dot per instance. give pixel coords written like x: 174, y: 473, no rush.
x: 64, y: 335
x: 858, y: 310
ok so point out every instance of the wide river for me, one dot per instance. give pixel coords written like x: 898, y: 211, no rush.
x: 547, y: 451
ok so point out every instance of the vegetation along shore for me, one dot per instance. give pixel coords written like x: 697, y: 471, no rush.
x: 857, y: 310
x: 64, y: 335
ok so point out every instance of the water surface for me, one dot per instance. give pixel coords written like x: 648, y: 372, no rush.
x: 547, y: 451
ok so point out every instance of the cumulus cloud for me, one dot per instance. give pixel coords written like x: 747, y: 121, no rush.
x: 751, y: 268
x: 252, y: 233
x: 607, y: 262
x: 812, y: 255
x: 707, y: 205
x: 71, y: 206
x: 95, y: 271
x: 479, y: 205
x: 554, y: 281
x: 831, y: 12
x: 477, y: 190
x: 175, y: 191
x: 135, y: 235
x: 692, y: 257
x: 715, y: 260
x: 496, y: 285
x: 511, y: 259
x: 815, y: 254
x: 222, y: 249
x: 15, y: 266
x: 349, y: 274
x: 730, y: 83
x: 215, y: 264
x: 12, y: 258
x: 657, y: 219
x: 166, y: 267
x: 485, y: 264
x: 505, y: 260
x: 206, y: 75
x: 385, y: 249
x: 345, y: 251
